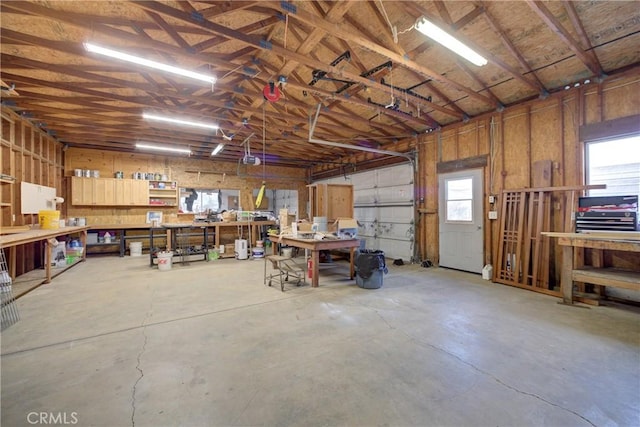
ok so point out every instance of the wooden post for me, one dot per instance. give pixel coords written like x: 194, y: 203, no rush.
x: 566, y: 281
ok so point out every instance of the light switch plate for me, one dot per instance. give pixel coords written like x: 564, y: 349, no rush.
x: 493, y: 214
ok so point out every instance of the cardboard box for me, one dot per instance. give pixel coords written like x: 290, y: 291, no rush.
x: 347, y: 228
x: 304, y: 226
x: 285, y: 218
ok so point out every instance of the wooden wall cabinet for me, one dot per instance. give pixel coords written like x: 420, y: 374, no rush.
x: 131, y: 192
x: 109, y: 192
x: 331, y: 200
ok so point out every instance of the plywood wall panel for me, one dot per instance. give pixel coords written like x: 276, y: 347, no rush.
x: 188, y: 172
x: 546, y: 136
x: 448, y: 147
x: 543, y: 130
x: 516, y: 134
x: 468, y: 141
x: 620, y: 98
x: 592, y: 104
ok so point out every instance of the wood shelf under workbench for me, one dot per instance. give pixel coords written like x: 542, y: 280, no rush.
x: 599, y: 274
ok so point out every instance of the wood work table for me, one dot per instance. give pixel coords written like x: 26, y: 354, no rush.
x: 217, y: 225
x: 615, y: 241
x: 252, y: 224
x: 315, y: 246
x: 39, y: 235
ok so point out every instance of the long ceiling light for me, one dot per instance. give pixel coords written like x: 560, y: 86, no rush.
x: 163, y: 148
x: 148, y: 63
x: 447, y: 40
x: 179, y: 121
x: 217, y: 149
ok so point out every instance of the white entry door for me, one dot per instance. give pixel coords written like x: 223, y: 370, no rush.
x: 461, y: 220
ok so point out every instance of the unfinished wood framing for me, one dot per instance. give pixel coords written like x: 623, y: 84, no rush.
x: 27, y: 155
x: 554, y: 159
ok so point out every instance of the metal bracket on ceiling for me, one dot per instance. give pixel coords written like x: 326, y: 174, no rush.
x: 319, y: 74
x: 395, y: 106
x: 367, y: 73
x: 408, y: 91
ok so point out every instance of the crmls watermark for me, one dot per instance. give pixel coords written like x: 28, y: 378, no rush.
x: 57, y: 418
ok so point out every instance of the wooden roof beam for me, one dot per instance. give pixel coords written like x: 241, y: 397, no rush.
x: 396, y: 58
x: 582, y: 34
x: 9, y: 61
x: 491, y: 58
x: 554, y: 25
x: 336, y: 11
x: 254, y: 41
x: 444, y: 13
x: 175, y: 36
x: 514, y: 51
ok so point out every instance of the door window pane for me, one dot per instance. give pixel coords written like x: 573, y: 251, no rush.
x: 459, y: 210
x: 459, y: 195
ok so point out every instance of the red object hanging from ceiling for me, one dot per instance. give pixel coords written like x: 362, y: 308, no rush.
x: 271, y: 92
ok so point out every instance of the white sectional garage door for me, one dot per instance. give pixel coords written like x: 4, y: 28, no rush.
x: 285, y: 199
x: 384, y: 209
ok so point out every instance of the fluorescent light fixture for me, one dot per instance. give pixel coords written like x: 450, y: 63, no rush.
x: 217, y: 149
x: 447, y: 40
x: 179, y: 121
x: 148, y: 63
x: 163, y: 148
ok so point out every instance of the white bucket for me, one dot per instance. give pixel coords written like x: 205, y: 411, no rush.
x: 135, y: 248
x: 164, y: 260
x: 287, y: 252
x: 258, y: 252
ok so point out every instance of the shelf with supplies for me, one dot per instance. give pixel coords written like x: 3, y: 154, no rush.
x: 163, y: 193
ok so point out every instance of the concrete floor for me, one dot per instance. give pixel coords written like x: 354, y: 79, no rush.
x: 112, y: 342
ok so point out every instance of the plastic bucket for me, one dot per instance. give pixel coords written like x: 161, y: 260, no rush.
x: 135, y: 248
x: 49, y: 220
x: 258, y: 252
x: 287, y: 252
x: 164, y: 260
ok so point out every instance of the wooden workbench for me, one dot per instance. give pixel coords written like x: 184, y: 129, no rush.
x: 597, y: 275
x: 11, y: 241
x: 121, y: 230
x: 315, y: 246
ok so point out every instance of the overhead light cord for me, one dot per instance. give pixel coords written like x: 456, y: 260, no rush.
x: 264, y: 173
x: 264, y: 137
x: 394, y: 30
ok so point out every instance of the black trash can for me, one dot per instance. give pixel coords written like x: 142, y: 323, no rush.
x: 370, y: 267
